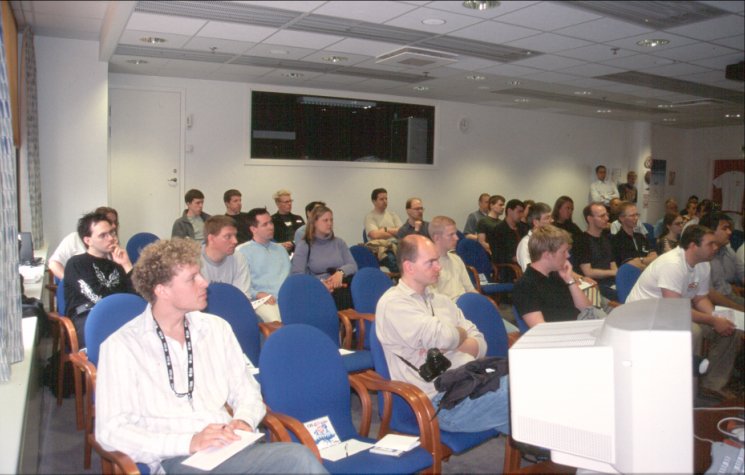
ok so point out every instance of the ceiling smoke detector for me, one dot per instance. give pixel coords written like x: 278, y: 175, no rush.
x: 416, y: 58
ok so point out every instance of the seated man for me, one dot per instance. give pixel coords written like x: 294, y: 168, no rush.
x: 233, y: 204
x: 485, y: 226
x: 548, y: 290
x: 454, y: 279
x: 415, y: 224
x: 219, y: 261
x: 165, y: 378
x: 410, y: 319
x: 539, y: 216
x: 685, y: 273
x: 726, y: 269
x: 285, y: 223
x: 71, y: 245
x: 381, y: 228
x: 594, y: 251
x: 630, y: 246
x: 191, y: 224
x: 268, y: 264
x: 505, y: 237
x: 472, y: 221
x: 103, y: 270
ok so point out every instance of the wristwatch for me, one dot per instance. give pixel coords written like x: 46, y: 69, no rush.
x: 571, y: 282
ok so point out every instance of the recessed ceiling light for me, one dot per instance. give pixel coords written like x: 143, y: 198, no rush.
x: 665, y: 106
x: 514, y: 83
x: 480, y: 5
x: 335, y: 59
x: 653, y: 43
x: 603, y: 111
x: 153, y: 40
x: 483, y: 88
x: 421, y: 88
x: 433, y: 21
x: 669, y: 119
x: 582, y: 93
x: 521, y: 100
x: 476, y: 77
x: 732, y: 116
x: 293, y: 75
x: 281, y: 52
x: 137, y: 61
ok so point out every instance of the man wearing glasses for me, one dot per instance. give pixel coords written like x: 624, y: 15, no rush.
x: 285, y: 223
x: 415, y: 224
x: 630, y: 246
x: 593, y: 252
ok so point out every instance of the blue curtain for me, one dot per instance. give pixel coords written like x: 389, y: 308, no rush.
x: 11, y: 344
x: 30, y: 138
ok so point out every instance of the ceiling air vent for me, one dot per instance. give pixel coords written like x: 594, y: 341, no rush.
x: 697, y: 102
x: 416, y: 58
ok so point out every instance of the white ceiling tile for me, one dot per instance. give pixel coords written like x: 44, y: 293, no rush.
x: 550, y: 77
x: 173, y: 41
x: 473, y: 64
x: 736, y: 42
x: 235, y: 31
x: 413, y: 20
x: 502, y: 9
x: 548, y: 62
x: 297, y: 6
x: 494, y: 32
x: 350, y: 59
x: 80, y: 9
x: 719, y: 27
x: 695, y: 51
x: 720, y: 62
x: 597, y: 52
x: 630, y: 43
x: 591, y: 70
x: 707, y: 77
x: 267, y: 50
x: 675, y: 70
x: 302, y: 39
x: 637, y: 62
x: 603, y: 29
x: 548, y: 43
x: 164, y: 23
x: 364, y: 47
x: 339, y: 79
x: 373, y: 12
x: 223, y: 46
x: 548, y: 16
x: 510, y: 70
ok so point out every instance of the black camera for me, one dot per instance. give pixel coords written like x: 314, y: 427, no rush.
x: 435, y: 364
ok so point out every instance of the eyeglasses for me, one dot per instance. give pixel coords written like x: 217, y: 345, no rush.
x: 418, y: 209
x: 635, y: 215
x: 286, y: 202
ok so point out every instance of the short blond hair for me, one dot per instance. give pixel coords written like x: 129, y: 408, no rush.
x: 546, y: 239
x: 280, y: 193
x: 438, y: 224
x: 160, y: 261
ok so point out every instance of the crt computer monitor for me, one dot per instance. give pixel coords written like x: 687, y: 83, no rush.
x: 611, y: 395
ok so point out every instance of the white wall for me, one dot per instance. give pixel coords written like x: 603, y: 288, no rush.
x: 515, y: 153
x: 73, y: 145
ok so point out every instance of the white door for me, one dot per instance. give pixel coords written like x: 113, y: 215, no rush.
x: 145, y: 139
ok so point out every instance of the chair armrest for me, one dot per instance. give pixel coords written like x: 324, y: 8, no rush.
x: 298, y: 430
x: 366, y: 416
x: 512, y: 337
x: 346, y: 341
x: 68, y: 332
x: 421, y: 405
x: 118, y: 462
x: 737, y: 290
x: 476, y: 280
x: 514, y: 267
x: 276, y: 429
x: 267, y: 328
x: 348, y: 315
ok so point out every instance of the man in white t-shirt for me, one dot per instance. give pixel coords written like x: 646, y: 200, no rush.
x: 382, y: 227
x: 685, y: 272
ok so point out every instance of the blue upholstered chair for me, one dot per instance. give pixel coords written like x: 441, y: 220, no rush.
x: 304, y: 299
x: 107, y: 316
x: 228, y: 302
x: 474, y: 256
x: 521, y: 325
x: 303, y: 378
x: 484, y: 314
x: 364, y: 257
x: 626, y: 277
x: 368, y: 285
x: 137, y: 243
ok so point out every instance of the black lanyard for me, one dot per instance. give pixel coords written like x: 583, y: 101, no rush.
x: 169, y: 366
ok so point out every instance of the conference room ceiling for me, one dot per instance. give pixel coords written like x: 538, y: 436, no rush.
x: 581, y: 58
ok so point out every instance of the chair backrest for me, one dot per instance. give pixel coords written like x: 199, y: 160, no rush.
x: 364, y: 257
x: 736, y: 240
x: 304, y: 299
x: 460, y: 234
x: 650, y: 235
x: 60, y: 303
x: 474, y: 255
x: 229, y: 303
x: 521, y: 325
x: 626, y: 277
x: 364, y: 235
x: 368, y: 285
x: 106, y: 317
x: 302, y: 375
x: 484, y: 314
x: 137, y: 243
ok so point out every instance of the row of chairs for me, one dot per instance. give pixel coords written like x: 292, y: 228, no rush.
x: 223, y: 301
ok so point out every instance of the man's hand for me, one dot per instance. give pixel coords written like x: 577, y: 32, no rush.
x: 288, y: 245
x: 261, y: 295
x: 566, y: 272
x: 214, y: 435
x: 120, y: 256
x: 723, y: 326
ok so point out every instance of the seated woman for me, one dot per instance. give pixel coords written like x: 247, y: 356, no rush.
x: 562, y: 214
x: 548, y: 290
x: 673, y: 225
x: 325, y: 256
